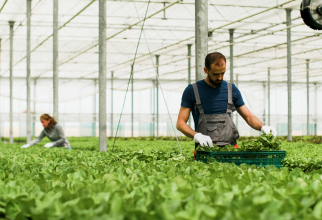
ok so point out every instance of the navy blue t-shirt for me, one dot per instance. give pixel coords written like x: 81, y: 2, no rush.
x: 213, y: 100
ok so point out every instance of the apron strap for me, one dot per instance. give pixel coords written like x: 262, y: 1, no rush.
x: 230, y: 106
x: 198, y: 101
x: 230, y: 93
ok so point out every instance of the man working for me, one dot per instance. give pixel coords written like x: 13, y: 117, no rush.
x: 212, y: 102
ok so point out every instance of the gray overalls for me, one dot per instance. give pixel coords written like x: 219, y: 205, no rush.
x: 219, y: 127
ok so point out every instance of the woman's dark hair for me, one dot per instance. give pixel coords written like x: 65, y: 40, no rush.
x: 215, y: 58
x: 48, y: 117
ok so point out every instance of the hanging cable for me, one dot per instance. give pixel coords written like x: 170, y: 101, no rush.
x: 127, y: 89
x: 160, y: 86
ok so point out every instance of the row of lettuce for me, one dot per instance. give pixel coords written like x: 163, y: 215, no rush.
x: 149, y: 180
x: 301, y: 154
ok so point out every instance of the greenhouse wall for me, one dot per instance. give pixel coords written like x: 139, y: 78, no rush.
x: 78, y: 119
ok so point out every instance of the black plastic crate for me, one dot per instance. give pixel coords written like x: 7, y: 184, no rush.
x: 258, y: 158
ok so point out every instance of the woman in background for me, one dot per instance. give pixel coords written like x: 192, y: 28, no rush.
x: 53, y: 131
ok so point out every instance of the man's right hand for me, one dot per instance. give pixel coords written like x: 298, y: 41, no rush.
x: 25, y: 146
x: 268, y: 130
x: 203, y: 140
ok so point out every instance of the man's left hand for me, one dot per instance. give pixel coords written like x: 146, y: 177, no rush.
x: 269, y: 129
x: 48, y: 145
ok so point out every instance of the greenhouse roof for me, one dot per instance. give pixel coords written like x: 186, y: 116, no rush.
x: 260, y: 38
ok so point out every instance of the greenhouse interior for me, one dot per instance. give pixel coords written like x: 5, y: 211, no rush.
x: 50, y: 64
x: 125, y: 109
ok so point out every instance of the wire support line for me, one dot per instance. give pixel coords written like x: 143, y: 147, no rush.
x: 159, y: 84
x: 234, y: 43
x: 174, y: 44
x: 3, y: 5
x: 177, y: 2
x: 129, y: 27
x: 131, y: 78
x: 214, y: 29
x: 241, y: 82
x: 110, y: 37
x: 18, y: 26
x: 72, y: 18
x: 78, y: 13
x: 224, y: 46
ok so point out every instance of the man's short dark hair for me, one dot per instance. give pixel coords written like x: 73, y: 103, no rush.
x: 215, y: 58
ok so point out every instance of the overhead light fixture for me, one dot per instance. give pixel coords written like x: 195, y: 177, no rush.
x: 209, y: 34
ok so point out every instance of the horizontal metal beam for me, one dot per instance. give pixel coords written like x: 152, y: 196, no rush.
x: 282, y: 57
x: 262, y: 35
x: 58, y: 29
x: 181, y: 41
x: 80, y: 25
x: 129, y: 27
x: 184, y: 58
x: 149, y: 80
x: 277, y: 45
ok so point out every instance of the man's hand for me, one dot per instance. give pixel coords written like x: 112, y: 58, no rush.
x: 203, y: 140
x: 269, y: 129
x: 48, y: 145
x: 25, y: 146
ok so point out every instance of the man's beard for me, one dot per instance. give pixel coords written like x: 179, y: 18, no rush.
x: 215, y: 83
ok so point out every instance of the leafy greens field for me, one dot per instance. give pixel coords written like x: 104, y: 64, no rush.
x: 148, y: 179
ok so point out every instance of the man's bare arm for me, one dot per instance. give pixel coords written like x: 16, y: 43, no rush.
x: 251, y: 119
x: 182, y: 125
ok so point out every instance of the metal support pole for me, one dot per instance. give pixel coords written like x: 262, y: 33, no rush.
x: 157, y: 92
x: 264, y: 103
x: 80, y: 110
x: 231, y: 59
x: 189, y: 74
x: 153, y: 97
x: 112, y: 116
x: 11, y: 23
x: 34, y: 118
x: 289, y: 73
x: 55, y: 60
x: 102, y: 75
x: 164, y: 18
x: 201, y: 36
x: 151, y: 110
x: 28, y: 72
x: 94, y: 110
x: 0, y: 92
x: 236, y: 111
x: 308, y: 97
x: 316, y: 110
x: 132, y: 91
x: 269, y: 96
x: 231, y: 41
x: 189, y: 63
